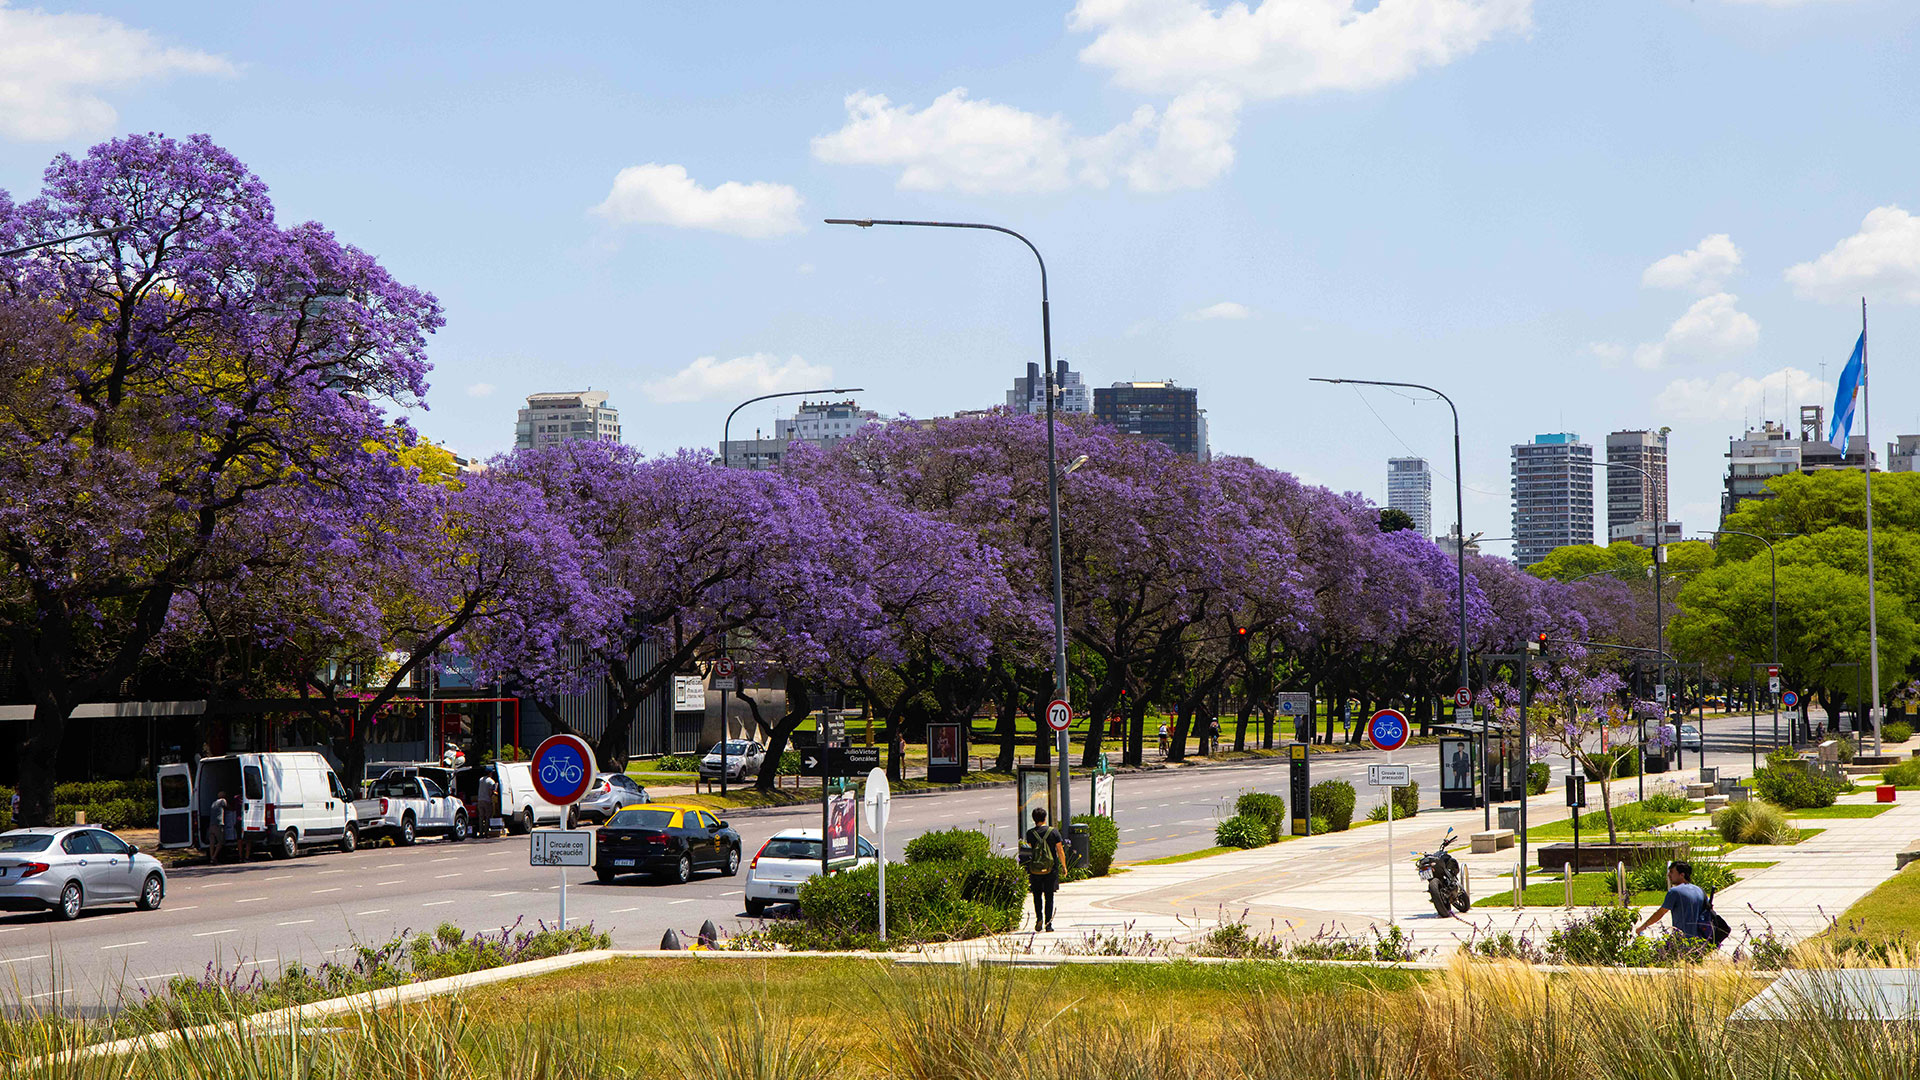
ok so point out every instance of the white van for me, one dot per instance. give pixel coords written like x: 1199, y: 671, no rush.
x: 286, y: 801
x: 521, y: 807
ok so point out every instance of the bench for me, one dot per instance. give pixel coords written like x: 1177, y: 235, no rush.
x: 1700, y: 791
x: 1491, y: 840
x: 1716, y: 802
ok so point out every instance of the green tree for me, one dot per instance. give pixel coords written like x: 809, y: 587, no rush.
x: 1725, y: 620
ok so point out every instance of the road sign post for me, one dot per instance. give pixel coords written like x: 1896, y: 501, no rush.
x: 878, y: 801
x: 562, y: 768
x: 1389, y: 776
x: 1298, y: 707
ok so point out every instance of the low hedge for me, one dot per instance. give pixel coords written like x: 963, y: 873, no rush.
x: 1896, y: 731
x: 1242, y: 831
x: 113, y: 804
x: 948, y: 845
x: 1626, y: 759
x: 1406, y: 800
x: 1539, y: 775
x: 1904, y: 775
x: 1332, y: 800
x: 1264, y: 806
x: 1104, y: 843
x: 943, y: 900
x: 1787, y: 783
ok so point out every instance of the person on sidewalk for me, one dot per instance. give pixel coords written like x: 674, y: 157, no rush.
x: 1213, y: 736
x: 1046, y: 857
x: 1685, y: 901
x: 222, y: 822
x: 1164, y: 743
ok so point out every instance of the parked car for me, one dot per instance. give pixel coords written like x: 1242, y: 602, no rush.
x: 785, y: 862
x: 287, y: 800
x: 521, y: 807
x: 743, y: 758
x: 609, y: 792
x: 671, y: 841
x: 66, y: 870
x: 1689, y: 737
x: 406, y: 805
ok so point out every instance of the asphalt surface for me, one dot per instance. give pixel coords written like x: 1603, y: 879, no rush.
x: 321, y: 906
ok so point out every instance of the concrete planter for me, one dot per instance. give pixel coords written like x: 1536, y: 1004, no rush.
x: 1604, y: 856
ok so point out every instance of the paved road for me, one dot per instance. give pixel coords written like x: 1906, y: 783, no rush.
x: 319, y: 906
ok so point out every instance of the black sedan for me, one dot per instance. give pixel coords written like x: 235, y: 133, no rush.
x: 670, y: 841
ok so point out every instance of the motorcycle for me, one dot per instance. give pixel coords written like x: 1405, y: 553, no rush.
x: 1441, y: 872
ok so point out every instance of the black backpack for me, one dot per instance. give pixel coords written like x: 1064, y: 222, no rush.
x: 1717, y: 929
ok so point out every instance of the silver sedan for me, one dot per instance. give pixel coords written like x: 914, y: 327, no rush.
x: 65, y: 870
x: 604, y: 798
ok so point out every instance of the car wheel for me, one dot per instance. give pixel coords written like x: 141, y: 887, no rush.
x: 683, y: 870
x: 406, y: 829
x: 526, y: 820
x: 349, y: 839
x: 733, y: 863
x: 459, y: 832
x: 70, y: 902
x: 151, y: 893
x: 756, y: 908
x: 573, y: 819
x: 605, y: 876
x: 289, y: 845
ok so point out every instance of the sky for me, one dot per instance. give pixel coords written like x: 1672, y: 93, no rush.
x: 1568, y: 215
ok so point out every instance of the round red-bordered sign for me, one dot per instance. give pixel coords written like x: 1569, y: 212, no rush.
x: 562, y: 769
x: 1388, y: 730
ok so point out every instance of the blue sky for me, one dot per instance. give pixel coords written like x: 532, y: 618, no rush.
x: 1571, y: 215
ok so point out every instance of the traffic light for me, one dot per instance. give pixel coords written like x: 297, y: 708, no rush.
x: 1539, y: 643
x: 1240, y: 639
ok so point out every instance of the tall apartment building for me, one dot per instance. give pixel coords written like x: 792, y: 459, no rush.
x: 1161, y: 411
x: 1410, y: 490
x: 1755, y: 458
x: 1552, y: 495
x: 551, y: 419
x: 822, y: 423
x: 1639, y: 491
x: 1029, y: 392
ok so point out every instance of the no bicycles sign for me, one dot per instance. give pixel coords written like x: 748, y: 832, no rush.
x: 562, y: 769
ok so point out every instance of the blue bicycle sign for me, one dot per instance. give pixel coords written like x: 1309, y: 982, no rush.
x: 562, y: 769
x: 1388, y: 730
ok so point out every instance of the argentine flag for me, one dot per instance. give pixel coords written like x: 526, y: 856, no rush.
x: 1851, y: 378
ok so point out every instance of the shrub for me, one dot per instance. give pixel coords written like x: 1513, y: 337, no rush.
x: 1896, y: 731
x: 1627, y: 760
x: 1263, y: 806
x: 1786, y: 783
x: 1319, y: 826
x: 1904, y: 775
x: 1651, y: 875
x: 117, y: 814
x: 1753, y: 823
x: 1667, y: 802
x: 1406, y: 800
x: 1242, y: 831
x: 1539, y: 775
x: 943, y: 900
x: 677, y: 763
x: 1844, y: 748
x: 1333, y: 800
x: 1378, y: 813
x: 948, y: 845
x: 1104, y: 843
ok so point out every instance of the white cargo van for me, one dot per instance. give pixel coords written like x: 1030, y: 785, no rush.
x: 521, y: 807
x: 286, y: 801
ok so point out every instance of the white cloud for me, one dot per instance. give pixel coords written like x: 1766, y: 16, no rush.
x: 655, y: 194
x: 980, y: 147
x: 480, y: 389
x: 708, y: 378
x: 1713, y: 327
x: 1608, y: 353
x: 1283, y: 48
x: 1732, y: 396
x: 1225, y: 309
x: 1882, y: 260
x: 54, y: 67
x: 1702, y: 269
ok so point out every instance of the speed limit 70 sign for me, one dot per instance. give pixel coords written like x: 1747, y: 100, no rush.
x: 1058, y: 715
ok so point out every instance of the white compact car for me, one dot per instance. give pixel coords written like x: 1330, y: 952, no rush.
x: 784, y: 863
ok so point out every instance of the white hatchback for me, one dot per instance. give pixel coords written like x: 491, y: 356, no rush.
x: 785, y: 862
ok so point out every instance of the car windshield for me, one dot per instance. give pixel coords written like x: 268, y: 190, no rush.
x: 791, y: 847
x: 732, y: 748
x: 25, y: 841
x: 632, y: 818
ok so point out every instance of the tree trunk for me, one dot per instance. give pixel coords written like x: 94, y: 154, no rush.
x: 39, y: 756
x: 1182, y: 718
x: 1007, y: 729
x: 799, y: 705
x: 1240, y: 725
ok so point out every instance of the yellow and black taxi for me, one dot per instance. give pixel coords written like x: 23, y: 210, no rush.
x: 665, y: 840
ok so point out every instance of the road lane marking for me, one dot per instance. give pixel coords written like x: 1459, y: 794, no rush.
x: 214, y: 933
x: 250, y: 900
x: 150, y: 978
x: 735, y: 892
x: 389, y: 865
x: 437, y: 903
x: 294, y: 922
x: 122, y: 945
x: 499, y: 869
x: 24, y: 959
x: 10, y: 929
x: 282, y: 877
x: 442, y: 877
x: 336, y: 888
x: 373, y: 911
x: 377, y: 884
x: 50, y: 993
x: 688, y: 900
x: 622, y: 911
x: 214, y: 885
x: 324, y: 872
x: 496, y: 896
x: 444, y: 858
x: 182, y: 907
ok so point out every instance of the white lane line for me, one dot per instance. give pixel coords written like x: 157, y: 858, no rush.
x: 250, y: 963
x: 496, y: 896
x: 733, y: 892
x: 294, y: 922
x: 499, y: 869
x: 50, y: 993
x: 250, y: 900
x: 444, y: 858
x: 214, y: 885
x: 24, y: 959
x: 389, y: 865
x: 215, y: 933
x: 282, y: 877
x: 371, y: 911
x: 323, y: 873
x: 441, y: 877
x: 10, y: 929
x: 437, y: 903
x: 150, y: 978
x: 688, y: 900
x: 122, y: 945
x: 336, y: 888
x: 377, y: 884
x: 622, y: 911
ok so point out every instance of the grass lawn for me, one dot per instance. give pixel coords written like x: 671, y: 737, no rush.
x: 1853, y: 810
x: 1593, y: 825
x: 1589, y: 890
x: 1888, y: 913
x: 1166, y: 860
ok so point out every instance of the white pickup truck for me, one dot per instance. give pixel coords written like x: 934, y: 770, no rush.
x: 405, y: 805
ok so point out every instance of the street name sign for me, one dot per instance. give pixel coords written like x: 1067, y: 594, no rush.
x: 1389, y: 775
x: 838, y: 760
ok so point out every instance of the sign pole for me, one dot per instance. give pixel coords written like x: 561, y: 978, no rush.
x: 1390, y: 793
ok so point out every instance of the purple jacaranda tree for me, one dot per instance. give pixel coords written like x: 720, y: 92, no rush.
x: 1576, y: 711
x: 191, y: 380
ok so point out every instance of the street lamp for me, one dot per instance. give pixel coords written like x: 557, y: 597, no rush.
x: 1460, y: 552
x: 1065, y: 808
x: 58, y: 240
x: 726, y: 436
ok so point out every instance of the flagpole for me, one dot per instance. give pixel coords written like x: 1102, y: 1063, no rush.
x: 1873, y: 622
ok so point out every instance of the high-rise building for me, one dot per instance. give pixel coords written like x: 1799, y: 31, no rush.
x: 551, y: 419
x: 1410, y: 490
x: 1552, y: 495
x: 822, y: 423
x: 1638, y: 492
x: 1161, y: 411
x: 1771, y: 450
x: 1029, y: 392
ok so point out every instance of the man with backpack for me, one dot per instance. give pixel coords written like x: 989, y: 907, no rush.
x: 1046, y: 856
x: 1691, y: 908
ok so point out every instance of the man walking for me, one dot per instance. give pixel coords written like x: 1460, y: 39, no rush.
x: 1685, y: 901
x: 217, y: 835
x: 1046, y: 856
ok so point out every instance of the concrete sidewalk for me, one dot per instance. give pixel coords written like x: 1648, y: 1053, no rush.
x: 1338, y: 883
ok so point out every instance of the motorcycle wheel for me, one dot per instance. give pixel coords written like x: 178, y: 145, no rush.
x: 1461, y: 901
x: 1442, y: 903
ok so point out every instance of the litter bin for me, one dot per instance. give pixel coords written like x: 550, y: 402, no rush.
x: 1510, y: 818
x: 1079, y: 845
